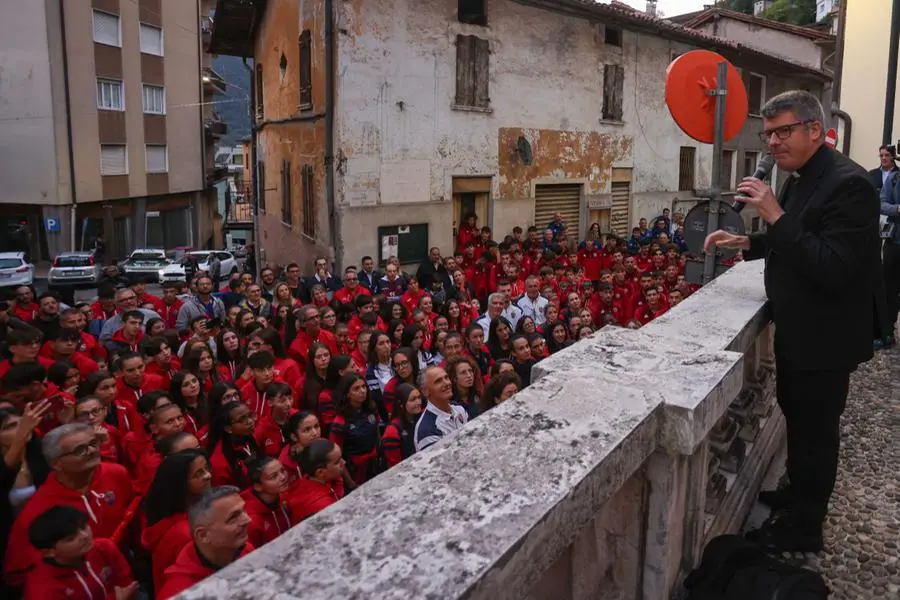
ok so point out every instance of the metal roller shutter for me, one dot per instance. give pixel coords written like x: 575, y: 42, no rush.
x: 620, y: 218
x: 565, y: 199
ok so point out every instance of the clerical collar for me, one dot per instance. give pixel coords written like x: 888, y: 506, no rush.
x: 815, y: 162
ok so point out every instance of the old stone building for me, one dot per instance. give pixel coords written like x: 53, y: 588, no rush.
x: 380, y: 123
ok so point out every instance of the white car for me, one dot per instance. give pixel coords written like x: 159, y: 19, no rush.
x: 175, y: 270
x: 145, y: 263
x: 15, y: 270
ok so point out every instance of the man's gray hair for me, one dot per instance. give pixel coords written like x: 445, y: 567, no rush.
x: 804, y: 105
x: 51, y: 444
x: 497, y: 295
x: 199, y: 513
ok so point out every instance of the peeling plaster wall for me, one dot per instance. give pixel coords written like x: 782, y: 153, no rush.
x: 396, y: 83
x: 793, y: 47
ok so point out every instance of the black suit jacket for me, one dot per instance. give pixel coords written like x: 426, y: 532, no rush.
x: 427, y: 272
x: 820, y: 256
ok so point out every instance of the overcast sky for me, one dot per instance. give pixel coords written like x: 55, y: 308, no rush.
x: 670, y: 8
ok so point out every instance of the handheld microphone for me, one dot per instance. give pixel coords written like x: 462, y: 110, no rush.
x: 763, y: 168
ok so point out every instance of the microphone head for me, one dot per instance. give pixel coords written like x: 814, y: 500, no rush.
x: 765, y: 165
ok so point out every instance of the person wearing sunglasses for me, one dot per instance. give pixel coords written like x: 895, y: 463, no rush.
x: 821, y: 250
x: 79, y: 479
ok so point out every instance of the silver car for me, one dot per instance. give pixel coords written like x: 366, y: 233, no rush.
x: 74, y: 269
x: 145, y: 263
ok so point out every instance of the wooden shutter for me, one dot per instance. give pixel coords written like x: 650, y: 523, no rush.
x: 482, y: 73
x: 259, y: 93
x: 686, y: 160
x: 261, y: 185
x: 613, y: 90
x: 465, y: 70
x: 726, y: 172
x: 306, y: 69
x: 309, y: 211
x: 286, y: 212
x: 563, y: 198
x: 620, y: 211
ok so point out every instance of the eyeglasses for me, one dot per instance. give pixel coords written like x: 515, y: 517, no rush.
x: 127, y: 299
x: 94, y: 412
x: 782, y: 133
x: 248, y: 418
x: 83, y: 450
x: 402, y: 364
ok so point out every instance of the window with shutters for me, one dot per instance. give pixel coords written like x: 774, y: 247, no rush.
x: 686, y: 159
x: 472, y: 12
x: 151, y: 40
x: 309, y: 211
x: 613, y: 36
x: 620, y: 211
x: 259, y: 93
x: 110, y: 95
x: 261, y: 185
x: 472, y: 73
x: 726, y: 174
x: 613, y: 92
x: 113, y: 159
x: 286, y: 193
x: 756, y: 92
x: 106, y: 29
x: 750, y: 160
x: 154, y: 99
x: 157, y: 158
x: 305, y: 70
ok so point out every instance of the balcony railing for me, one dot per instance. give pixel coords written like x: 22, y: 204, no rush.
x: 604, y: 478
x: 240, y: 213
x: 215, y: 128
x: 213, y: 83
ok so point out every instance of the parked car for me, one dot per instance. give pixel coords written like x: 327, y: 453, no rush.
x: 15, y: 270
x: 175, y: 270
x: 74, y: 269
x: 145, y: 263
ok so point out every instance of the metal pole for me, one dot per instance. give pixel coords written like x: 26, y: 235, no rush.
x: 712, y: 223
x: 891, y: 91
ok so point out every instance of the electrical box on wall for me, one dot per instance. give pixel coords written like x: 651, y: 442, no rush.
x: 409, y: 243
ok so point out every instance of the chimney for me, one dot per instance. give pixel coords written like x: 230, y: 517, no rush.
x: 651, y: 8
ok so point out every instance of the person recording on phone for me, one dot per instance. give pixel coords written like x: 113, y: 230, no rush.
x: 820, y: 249
x: 201, y: 304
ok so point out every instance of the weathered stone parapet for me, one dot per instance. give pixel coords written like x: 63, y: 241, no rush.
x: 591, y: 483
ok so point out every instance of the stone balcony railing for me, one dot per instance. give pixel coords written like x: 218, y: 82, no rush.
x: 601, y: 480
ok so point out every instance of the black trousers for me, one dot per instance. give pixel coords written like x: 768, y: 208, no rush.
x: 812, y: 403
x: 890, y: 266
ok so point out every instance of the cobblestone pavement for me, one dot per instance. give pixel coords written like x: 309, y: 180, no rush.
x: 861, y: 560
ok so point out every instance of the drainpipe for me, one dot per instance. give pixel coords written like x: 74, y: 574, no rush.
x: 71, y: 145
x: 254, y: 165
x: 891, y: 92
x: 203, y: 196
x: 839, y: 54
x: 334, y: 219
x: 848, y: 127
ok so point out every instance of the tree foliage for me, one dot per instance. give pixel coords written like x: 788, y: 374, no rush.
x: 744, y: 6
x: 796, y: 12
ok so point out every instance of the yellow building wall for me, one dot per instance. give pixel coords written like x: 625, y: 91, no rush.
x: 864, y: 79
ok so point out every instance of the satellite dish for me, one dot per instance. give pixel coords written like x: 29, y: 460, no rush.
x: 523, y: 149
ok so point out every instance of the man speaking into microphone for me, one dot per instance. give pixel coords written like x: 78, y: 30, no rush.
x: 820, y: 246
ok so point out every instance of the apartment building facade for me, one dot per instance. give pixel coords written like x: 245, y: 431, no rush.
x: 102, y: 127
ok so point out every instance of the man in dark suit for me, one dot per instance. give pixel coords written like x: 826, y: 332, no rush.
x: 878, y: 177
x: 322, y: 277
x: 820, y: 247
x: 369, y: 276
x: 432, y: 268
x: 885, y: 176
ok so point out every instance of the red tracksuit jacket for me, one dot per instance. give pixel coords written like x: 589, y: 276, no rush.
x: 105, y: 504
x: 267, y: 522
x: 309, y: 497
x: 96, y: 578
x: 188, y: 571
x: 164, y: 540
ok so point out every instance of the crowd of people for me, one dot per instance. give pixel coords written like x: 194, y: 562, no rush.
x: 149, y: 441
